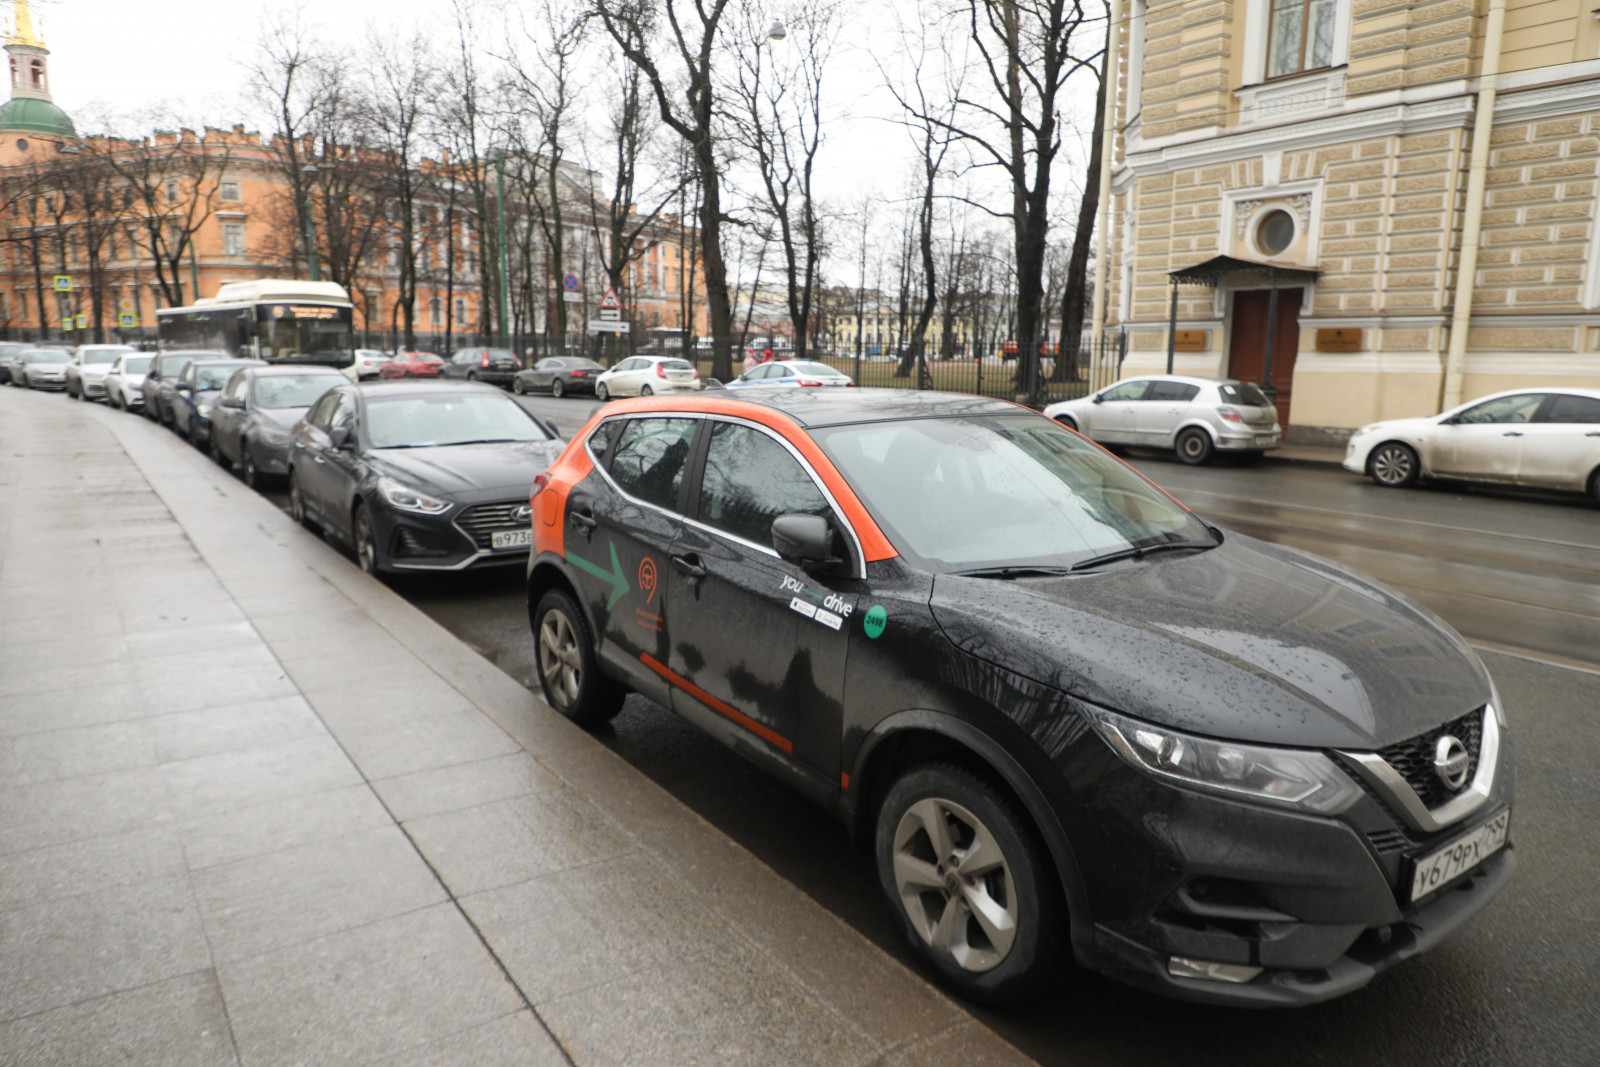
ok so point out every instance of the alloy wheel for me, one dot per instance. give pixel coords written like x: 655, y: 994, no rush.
x: 602, y: 393
x: 560, y: 660
x: 366, y: 544
x: 955, y: 884
x: 1194, y: 446
x: 247, y: 465
x: 1393, y: 465
x: 557, y: 389
x: 518, y: 387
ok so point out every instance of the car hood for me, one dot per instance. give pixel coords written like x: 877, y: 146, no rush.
x: 282, y: 418
x: 1246, y: 641
x: 1402, y: 427
x: 469, y: 472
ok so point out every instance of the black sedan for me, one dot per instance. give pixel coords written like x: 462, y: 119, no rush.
x: 195, y: 394
x: 253, y: 420
x: 1075, y: 721
x: 559, y: 376
x: 497, y: 366
x: 160, y: 384
x: 420, y: 477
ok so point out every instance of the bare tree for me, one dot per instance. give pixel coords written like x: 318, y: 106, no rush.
x: 779, y: 97
x: 687, y: 103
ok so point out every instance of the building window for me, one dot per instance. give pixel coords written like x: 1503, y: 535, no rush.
x: 172, y: 192
x: 1136, y: 24
x: 461, y: 310
x: 1275, y: 232
x: 1300, y: 36
x: 233, y: 238
x: 230, y: 190
x: 435, y: 312
x: 5, y: 307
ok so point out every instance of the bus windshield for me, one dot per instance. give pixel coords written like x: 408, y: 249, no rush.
x: 313, y: 333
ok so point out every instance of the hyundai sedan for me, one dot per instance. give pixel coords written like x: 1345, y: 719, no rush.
x: 1532, y: 438
x: 1074, y: 721
x: 1194, y: 417
x: 420, y: 476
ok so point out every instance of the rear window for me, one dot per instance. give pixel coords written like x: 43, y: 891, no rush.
x: 1243, y: 393
x: 675, y: 364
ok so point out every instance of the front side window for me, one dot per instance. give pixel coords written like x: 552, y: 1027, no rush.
x: 650, y: 458
x: 1518, y: 408
x: 1126, y: 391
x: 1300, y: 36
x: 750, y: 480
x: 323, y: 411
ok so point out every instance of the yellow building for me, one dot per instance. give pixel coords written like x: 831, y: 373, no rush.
x: 1416, y: 181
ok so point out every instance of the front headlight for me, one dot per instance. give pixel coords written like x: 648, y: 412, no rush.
x: 408, y: 499
x: 203, y: 410
x: 1304, y: 780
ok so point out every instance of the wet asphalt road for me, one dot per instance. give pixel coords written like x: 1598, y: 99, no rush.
x: 1519, y: 985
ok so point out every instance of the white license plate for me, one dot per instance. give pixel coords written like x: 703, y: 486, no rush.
x: 1459, y: 856
x: 1266, y: 438
x: 511, y: 539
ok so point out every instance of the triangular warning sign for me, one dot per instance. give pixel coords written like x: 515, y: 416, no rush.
x: 610, y: 301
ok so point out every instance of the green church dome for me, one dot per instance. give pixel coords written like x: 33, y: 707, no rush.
x: 35, y: 116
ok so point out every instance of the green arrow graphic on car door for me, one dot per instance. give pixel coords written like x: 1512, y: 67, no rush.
x: 618, y: 580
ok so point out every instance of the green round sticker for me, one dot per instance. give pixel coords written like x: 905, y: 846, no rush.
x: 875, y: 620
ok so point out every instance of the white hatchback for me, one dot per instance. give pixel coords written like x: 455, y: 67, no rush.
x: 1194, y: 416
x: 366, y: 364
x: 1537, y: 438
x: 646, y: 376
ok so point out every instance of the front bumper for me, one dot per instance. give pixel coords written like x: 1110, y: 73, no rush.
x: 1319, y: 904
x: 462, y: 539
x: 93, y: 387
x: 39, y: 381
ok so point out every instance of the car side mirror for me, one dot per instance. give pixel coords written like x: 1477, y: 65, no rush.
x: 712, y: 383
x: 182, y: 387
x: 233, y: 402
x: 550, y: 428
x: 1098, y: 399
x: 339, y: 438
x: 803, y: 540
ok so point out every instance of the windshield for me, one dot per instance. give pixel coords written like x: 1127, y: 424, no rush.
x: 47, y: 355
x: 309, y: 332
x: 277, y: 392
x: 101, y: 355
x: 209, y: 378
x: 1002, y: 490
x: 453, y: 419
x: 173, y: 365
x: 137, y: 365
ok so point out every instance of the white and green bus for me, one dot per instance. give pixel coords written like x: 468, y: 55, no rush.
x: 278, y: 320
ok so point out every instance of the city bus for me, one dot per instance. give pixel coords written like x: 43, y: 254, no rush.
x: 278, y: 320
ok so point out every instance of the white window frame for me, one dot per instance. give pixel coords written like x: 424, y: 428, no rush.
x: 230, y: 231
x: 1257, y: 26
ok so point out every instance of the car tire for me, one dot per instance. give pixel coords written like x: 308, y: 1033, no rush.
x: 247, y: 465
x: 932, y: 818
x: 1194, y: 446
x: 472, y: 376
x: 518, y: 388
x: 111, y: 401
x: 297, y: 503
x: 569, y: 674
x: 1594, y: 486
x: 558, y: 389
x: 70, y: 394
x: 1068, y: 421
x: 366, y: 544
x: 1393, y: 465
x: 645, y: 390
x: 602, y: 393
x: 214, y: 450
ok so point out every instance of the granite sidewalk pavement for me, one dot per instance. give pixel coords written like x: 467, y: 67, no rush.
x: 256, y: 809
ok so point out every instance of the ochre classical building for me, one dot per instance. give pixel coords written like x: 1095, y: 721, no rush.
x: 136, y: 225
x: 1325, y: 150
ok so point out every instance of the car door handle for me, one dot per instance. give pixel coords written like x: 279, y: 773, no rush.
x: 1592, y: 433
x: 690, y: 565
x: 585, y: 520
x: 1512, y: 433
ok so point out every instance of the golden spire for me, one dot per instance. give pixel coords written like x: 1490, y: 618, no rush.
x: 22, y: 27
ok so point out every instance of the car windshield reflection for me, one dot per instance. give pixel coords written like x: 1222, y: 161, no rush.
x: 1006, y: 495
x: 433, y: 421
x: 278, y: 392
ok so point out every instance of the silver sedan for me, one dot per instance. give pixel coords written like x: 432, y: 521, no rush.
x: 1536, y: 438
x: 1195, y: 417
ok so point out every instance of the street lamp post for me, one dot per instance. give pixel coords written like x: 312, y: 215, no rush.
x: 310, y: 171
x: 500, y: 226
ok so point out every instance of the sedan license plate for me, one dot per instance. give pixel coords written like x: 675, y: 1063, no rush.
x: 1459, y: 856
x: 511, y: 539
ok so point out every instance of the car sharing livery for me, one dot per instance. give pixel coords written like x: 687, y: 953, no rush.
x: 1073, y: 720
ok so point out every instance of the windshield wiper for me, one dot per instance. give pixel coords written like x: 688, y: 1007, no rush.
x: 1141, y: 551
x: 1014, y: 572
x: 485, y: 441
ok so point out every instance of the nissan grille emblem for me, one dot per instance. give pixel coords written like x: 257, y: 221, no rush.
x: 525, y: 513
x: 1451, y: 761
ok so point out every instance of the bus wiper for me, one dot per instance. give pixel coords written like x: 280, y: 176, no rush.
x: 1015, y: 572
x: 1141, y: 551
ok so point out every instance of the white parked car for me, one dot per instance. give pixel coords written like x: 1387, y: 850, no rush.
x: 790, y: 373
x: 1538, y: 438
x: 125, y: 380
x: 86, y: 374
x: 1196, y: 417
x: 368, y: 360
x: 45, y: 368
x: 646, y: 376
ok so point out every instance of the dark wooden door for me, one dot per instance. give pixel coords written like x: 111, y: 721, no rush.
x: 1247, y: 341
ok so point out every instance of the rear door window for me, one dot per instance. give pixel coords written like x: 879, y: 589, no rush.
x: 650, y: 457
x: 1170, y: 391
x: 1565, y: 408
